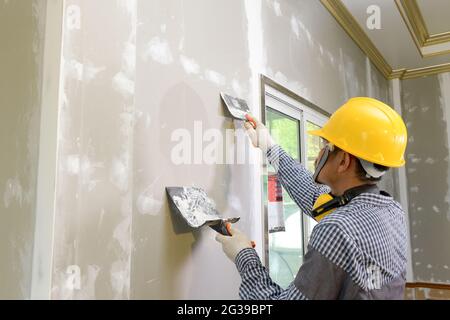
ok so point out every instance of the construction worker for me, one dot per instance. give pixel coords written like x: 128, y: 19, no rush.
x: 358, y: 249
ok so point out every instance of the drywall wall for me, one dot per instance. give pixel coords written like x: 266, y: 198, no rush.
x: 140, y: 76
x: 425, y: 107
x: 22, y: 34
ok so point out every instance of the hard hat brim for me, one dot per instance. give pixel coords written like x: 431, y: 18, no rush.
x: 316, y: 133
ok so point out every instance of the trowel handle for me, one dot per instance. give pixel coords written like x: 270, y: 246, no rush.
x: 228, y: 226
x: 251, y: 120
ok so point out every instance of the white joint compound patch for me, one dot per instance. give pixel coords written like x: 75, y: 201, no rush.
x: 82, y: 72
x: 295, y: 27
x: 122, y: 234
x: 73, y: 164
x: 120, y: 174
x: 277, y: 8
x: 159, y: 51
x: 148, y: 205
x: 215, y: 77
x: 89, y: 285
x: 129, y: 57
x: 13, y: 192
x: 130, y: 6
x: 120, y: 279
x: 189, y: 65
x: 124, y: 85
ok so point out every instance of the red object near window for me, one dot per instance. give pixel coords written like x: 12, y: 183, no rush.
x: 275, y: 191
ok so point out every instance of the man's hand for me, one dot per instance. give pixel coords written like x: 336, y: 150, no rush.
x: 260, y: 137
x: 233, y: 244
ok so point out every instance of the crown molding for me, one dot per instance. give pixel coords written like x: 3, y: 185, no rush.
x: 411, y: 14
x: 397, y: 74
x: 354, y: 30
x: 346, y: 20
x: 426, y: 71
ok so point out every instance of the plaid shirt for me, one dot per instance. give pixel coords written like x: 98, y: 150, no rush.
x: 357, y: 252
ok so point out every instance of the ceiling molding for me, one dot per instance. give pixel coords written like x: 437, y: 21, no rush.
x: 426, y: 71
x: 415, y: 17
x: 397, y: 74
x: 437, y: 38
x: 411, y: 14
x: 409, y: 26
x: 359, y: 36
x: 354, y: 30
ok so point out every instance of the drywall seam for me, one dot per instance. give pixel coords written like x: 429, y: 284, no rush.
x: 253, y: 10
x: 46, y: 181
x: 130, y: 62
x: 444, y: 82
x: 402, y: 180
x: 369, y: 89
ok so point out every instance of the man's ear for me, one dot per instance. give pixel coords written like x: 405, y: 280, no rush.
x: 345, y: 160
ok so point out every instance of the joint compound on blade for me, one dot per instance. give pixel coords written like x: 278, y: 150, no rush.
x: 196, y: 207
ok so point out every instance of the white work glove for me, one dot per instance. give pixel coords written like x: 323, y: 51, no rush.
x: 234, y: 244
x: 260, y: 137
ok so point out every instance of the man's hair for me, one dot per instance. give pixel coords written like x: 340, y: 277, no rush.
x: 362, y: 174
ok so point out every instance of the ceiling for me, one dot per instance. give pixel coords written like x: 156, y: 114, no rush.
x: 413, y: 39
x: 436, y: 14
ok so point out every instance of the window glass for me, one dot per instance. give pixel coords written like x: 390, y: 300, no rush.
x: 285, y: 247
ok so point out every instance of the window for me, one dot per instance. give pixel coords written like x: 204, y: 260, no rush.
x: 286, y: 243
x: 288, y: 118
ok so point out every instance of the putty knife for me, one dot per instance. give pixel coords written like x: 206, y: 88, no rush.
x: 197, y: 209
x: 238, y: 108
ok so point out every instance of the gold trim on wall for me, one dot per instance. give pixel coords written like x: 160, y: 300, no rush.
x: 354, y: 30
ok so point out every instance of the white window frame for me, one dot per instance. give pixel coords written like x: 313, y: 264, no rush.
x: 320, y: 120
x: 275, y: 97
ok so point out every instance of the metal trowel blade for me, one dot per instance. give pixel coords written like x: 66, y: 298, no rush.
x: 197, y: 209
x: 238, y: 108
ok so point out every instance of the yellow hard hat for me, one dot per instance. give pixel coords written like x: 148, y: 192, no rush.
x: 369, y: 130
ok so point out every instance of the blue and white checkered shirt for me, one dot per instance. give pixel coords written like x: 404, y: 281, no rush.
x: 357, y: 252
